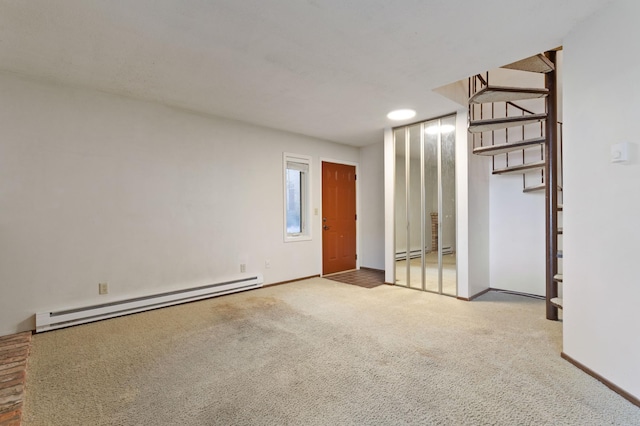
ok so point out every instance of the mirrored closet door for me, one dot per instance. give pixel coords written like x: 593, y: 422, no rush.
x: 425, y: 206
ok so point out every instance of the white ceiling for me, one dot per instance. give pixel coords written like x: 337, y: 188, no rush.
x: 331, y: 69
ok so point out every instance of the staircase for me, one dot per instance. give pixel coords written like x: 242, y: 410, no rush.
x: 525, y: 140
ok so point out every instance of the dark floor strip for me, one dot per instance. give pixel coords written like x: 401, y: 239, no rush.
x: 367, y: 278
x: 14, y: 350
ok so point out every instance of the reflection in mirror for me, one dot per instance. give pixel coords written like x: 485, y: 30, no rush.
x: 401, y: 206
x: 448, y: 206
x: 431, y: 206
x: 415, y: 209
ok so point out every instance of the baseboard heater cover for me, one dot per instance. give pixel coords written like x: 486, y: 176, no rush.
x: 401, y: 255
x: 46, y: 321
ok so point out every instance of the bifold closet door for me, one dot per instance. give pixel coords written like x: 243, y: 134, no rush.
x: 431, y: 186
x: 425, y: 210
x: 448, y: 207
x: 402, y: 219
x: 414, y: 182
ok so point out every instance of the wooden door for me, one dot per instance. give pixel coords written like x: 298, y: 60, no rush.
x: 338, y: 217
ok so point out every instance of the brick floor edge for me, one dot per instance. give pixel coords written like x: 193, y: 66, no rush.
x: 14, y: 351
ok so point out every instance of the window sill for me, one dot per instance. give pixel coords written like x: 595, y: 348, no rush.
x: 293, y: 239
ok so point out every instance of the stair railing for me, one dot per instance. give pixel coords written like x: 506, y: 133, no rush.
x: 523, y: 112
x: 479, y: 82
x: 560, y: 164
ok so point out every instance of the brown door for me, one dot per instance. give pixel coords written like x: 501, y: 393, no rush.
x: 338, y: 218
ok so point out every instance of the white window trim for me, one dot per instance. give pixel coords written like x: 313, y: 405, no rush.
x: 305, y: 235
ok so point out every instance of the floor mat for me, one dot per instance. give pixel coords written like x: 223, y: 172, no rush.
x: 368, y: 278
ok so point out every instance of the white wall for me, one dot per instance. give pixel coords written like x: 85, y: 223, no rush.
x: 98, y: 188
x: 517, y: 229
x: 602, y: 202
x: 472, y: 182
x: 389, y: 207
x: 371, y: 216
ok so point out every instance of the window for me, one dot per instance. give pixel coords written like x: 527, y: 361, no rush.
x: 297, y: 184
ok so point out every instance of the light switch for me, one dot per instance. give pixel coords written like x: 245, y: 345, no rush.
x: 620, y: 152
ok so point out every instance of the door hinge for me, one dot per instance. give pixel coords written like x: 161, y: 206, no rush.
x: 355, y: 177
x: 356, y: 256
x: 356, y: 217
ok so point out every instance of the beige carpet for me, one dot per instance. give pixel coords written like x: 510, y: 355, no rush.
x: 318, y: 352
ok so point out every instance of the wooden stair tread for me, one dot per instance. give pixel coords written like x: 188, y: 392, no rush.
x: 520, y: 168
x: 508, y: 147
x: 558, y: 277
x: 536, y: 188
x: 540, y: 187
x: 538, y: 63
x: 557, y: 301
x: 504, y: 94
x: 478, y: 126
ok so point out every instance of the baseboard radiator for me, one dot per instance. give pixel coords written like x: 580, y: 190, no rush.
x: 46, y: 321
x: 401, y: 255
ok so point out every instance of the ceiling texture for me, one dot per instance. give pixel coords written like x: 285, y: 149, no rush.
x: 330, y: 69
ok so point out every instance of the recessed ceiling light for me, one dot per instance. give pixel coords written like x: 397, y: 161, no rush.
x: 401, y: 114
x: 435, y: 129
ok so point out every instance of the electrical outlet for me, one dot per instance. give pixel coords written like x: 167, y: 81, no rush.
x: 267, y: 264
x: 243, y: 267
x: 103, y: 288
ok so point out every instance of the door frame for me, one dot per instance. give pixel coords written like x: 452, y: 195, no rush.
x: 319, y: 217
